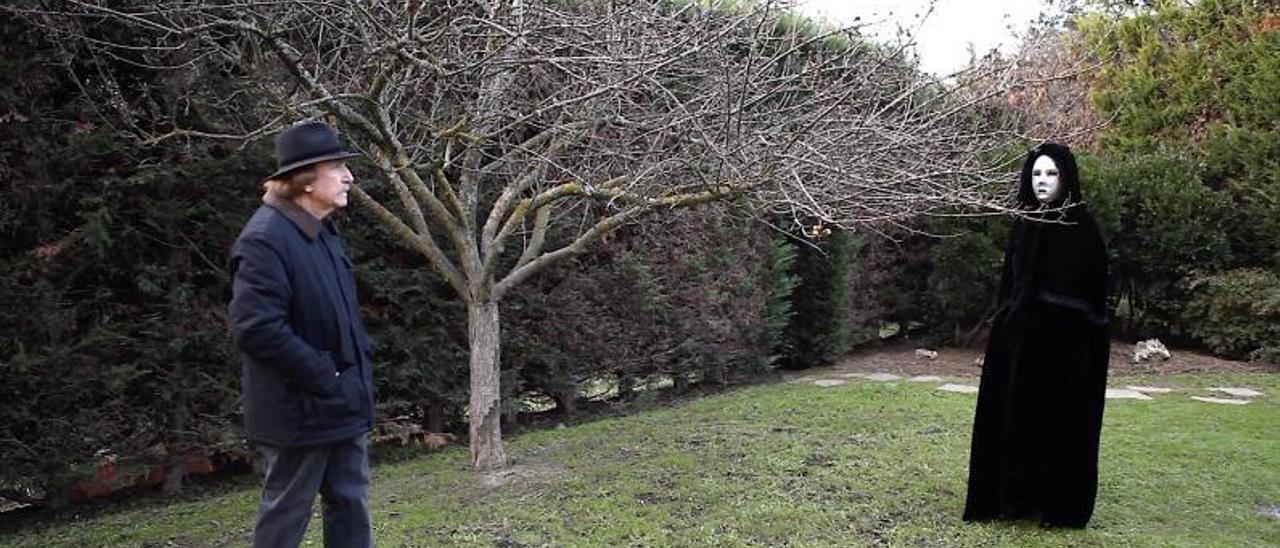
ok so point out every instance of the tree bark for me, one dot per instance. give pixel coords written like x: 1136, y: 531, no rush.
x: 486, y: 426
x: 567, y: 401
x: 626, y: 387
x: 176, y: 449
x: 433, y: 415
x: 680, y: 382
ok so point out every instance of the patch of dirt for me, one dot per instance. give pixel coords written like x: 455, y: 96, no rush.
x: 520, y: 474
x: 900, y: 358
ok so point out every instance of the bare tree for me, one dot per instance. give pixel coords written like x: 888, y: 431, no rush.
x: 1045, y: 83
x: 513, y: 134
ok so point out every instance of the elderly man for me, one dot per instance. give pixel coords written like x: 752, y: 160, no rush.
x: 308, y: 385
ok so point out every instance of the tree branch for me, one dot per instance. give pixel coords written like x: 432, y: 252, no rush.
x: 421, y: 243
x: 604, y: 226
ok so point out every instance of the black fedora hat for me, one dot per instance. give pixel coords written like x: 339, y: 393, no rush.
x: 305, y: 144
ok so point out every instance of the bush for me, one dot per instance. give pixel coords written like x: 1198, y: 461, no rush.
x: 1236, y: 313
x: 697, y: 295
x: 965, y: 279
x: 1169, y: 71
x: 819, y: 329
x: 1242, y: 163
x: 1167, y: 224
x: 780, y: 283
x: 418, y: 327
x: 115, y: 341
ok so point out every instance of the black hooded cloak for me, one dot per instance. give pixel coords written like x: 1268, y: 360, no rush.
x: 1034, y: 453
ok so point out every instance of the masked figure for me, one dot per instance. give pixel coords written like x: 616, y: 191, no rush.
x: 1034, y: 453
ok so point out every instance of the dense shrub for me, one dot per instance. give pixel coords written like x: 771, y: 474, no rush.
x: 418, y: 327
x: 115, y: 340
x: 1236, y: 313
x: 895, y: 269
x: 1243, y: 164
x: 1167, y: 224
x: 818, y: 332
x: 1171, y: 71
x: 700, y: 296
x: 965, y: 278
x: 779, y: 281
x: 864, y: 311
x: 1191, y: 90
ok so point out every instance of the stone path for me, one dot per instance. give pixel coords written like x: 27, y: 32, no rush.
x: 1220, y: 400
x: 926, y: 378
x: 882, y: 377
x: 1241, y: 392
x: 1131, y: 392
x: 1126, y: 394
x: 1150, y: 389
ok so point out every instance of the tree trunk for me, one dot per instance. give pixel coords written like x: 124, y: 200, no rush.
x: 175, y: 469
x: 486, y: 416
x: 680, y: 382
x: 626, y: 387
x: 566, y: 401
x: 433, y: 415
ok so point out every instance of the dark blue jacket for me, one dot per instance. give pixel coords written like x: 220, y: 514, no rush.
x: 296, y: 321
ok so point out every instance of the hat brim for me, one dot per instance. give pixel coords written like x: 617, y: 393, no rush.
x: 309, y: 161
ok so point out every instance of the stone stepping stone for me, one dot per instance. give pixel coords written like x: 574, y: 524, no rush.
x: 882, y: 377
x: 1272, y: 511
x: 1220, y: 400
x: 1239, y: 392
x: 926, y: 378
x: 959, y: 388
x: 828, y: 383
x: 1150, y: 389
x: 852, y: 375
x: 1124, y: 394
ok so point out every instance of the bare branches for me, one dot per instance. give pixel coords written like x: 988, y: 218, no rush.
x: 422, y: 244
x: 579, y: 245
x: 481, y: 113
x: 485, y: 116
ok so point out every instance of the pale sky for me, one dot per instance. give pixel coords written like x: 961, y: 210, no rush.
x: 942, y: 42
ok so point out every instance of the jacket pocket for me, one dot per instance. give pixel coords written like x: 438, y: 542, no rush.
x: 347, y: 401
x: 342, y: 403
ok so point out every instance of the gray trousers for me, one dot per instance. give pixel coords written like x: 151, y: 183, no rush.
x: 338, y: 471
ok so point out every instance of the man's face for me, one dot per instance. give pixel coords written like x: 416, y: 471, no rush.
x: 329, y: 190
x: 1044, y: 179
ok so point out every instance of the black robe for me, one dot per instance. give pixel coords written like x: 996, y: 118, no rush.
x: 1034, y: 452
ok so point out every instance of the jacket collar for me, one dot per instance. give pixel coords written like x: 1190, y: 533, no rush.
x: 305, y: 222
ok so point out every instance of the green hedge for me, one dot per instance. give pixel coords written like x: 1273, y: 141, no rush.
x: 1165, y: 224
x: 1237, y: 313
x: 965, y: 276
x: 819, y: 329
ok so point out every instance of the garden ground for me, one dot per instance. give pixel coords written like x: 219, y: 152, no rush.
x: 792, y: 463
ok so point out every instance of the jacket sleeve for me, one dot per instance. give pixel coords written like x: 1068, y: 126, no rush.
x: 260, y: 295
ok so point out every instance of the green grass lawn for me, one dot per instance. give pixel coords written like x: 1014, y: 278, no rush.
x: 787, y: 464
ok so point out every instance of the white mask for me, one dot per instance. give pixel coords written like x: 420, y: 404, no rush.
x: 1045, y: 183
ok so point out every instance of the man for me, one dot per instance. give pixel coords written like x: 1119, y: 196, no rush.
x: 308, y: 385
